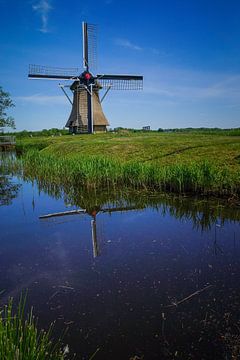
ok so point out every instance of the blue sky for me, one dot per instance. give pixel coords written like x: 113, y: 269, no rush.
x: 187, y: 50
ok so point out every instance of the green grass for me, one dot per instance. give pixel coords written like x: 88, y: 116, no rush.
x: 163, y: 148
x: 176, y: 162
x: 20, y: 338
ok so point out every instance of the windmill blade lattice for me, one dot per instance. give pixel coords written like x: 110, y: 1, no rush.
x: 121, y: 82
x: 54, y: 73
x: 90, y: 46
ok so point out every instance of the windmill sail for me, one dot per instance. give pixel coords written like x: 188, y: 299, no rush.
x: 52, y: 73
x: 121, y: 82
x: 89, y: 46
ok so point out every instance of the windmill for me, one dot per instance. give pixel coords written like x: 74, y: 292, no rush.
x: 87, y: 115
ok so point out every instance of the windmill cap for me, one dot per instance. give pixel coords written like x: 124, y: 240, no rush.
x: 87, y: 75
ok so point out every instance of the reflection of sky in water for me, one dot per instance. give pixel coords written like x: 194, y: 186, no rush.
x: 119, y: 300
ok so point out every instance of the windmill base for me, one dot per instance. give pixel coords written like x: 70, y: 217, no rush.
x: 84, y: 129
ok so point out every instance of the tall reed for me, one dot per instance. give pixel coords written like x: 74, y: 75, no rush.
x: 20, y: 338
x: 98, y: 171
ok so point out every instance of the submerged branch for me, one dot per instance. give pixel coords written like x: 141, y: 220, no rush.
x: 175, y: 304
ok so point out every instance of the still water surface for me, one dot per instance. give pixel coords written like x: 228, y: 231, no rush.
x: 149, y: 277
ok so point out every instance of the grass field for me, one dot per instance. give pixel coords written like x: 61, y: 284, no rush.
x: 179, y: 162
x: 160, y: 148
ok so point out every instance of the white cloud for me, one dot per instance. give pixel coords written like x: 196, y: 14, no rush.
x: 148, y: 50
x: 41, y: 99
x: 43, y: 8
x: 194, y: 86
x: 127, y: 44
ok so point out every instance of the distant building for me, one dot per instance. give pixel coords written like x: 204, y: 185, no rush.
x: 146, y: 128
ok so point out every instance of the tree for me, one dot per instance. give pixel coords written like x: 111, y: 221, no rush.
x: 5, y: 103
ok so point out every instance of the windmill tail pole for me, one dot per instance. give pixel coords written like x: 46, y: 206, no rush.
x: 62, y: 87
x: 106, y: 92
x: 90, y: 109
x: 94, y: 238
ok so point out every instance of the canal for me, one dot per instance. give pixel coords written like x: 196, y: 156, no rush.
x: 135, y: 275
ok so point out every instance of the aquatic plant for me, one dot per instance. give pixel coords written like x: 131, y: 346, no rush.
x: 101, y: 172
x: 21, y: 340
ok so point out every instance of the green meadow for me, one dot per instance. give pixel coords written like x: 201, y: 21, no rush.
x: 181, y: 162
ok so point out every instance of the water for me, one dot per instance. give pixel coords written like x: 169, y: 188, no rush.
x: 136, y: 275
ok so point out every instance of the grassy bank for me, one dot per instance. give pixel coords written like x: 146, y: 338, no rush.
x: 176, y: 162
x: 160, y: 148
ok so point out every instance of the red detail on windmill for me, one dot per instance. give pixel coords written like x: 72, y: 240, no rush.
x: 87, y: 76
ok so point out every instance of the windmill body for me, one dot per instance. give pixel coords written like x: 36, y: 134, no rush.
x: 87, y: 115
x: 78, y: 119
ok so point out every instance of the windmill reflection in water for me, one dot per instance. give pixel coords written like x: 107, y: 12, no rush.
x: 93, y: 212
